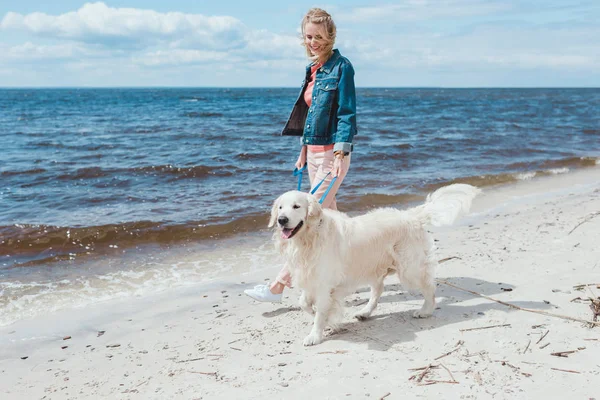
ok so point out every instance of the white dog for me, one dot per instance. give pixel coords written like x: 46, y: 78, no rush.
x: 330, y: 254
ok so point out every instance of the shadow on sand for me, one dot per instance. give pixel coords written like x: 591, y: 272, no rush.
x: 383, y: 331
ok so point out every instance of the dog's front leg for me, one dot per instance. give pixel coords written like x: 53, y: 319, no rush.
x: 323, y: 306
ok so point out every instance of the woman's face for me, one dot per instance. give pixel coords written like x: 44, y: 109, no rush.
x: 313, y: 38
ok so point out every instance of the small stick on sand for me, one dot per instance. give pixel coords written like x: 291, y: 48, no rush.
x: 451, y: 376
x: 190, y: 360
x: 458, y: 344
x: 527, y: 348
x: 419, y: 378
x: 564, y: 354
x: 334, y: 352
x: 475, y: 354
x: 385, y: 395
x: 592, y: 215
x: 544, y: 346
x: 595, y: 307
x: 566, y: 370
x: 484, y: 327
x: 516, y: 369
x: 204, y: 373
x: 596, y: 323
x: 430, y: 382
x: 443, y: 260
x: 583, y: 286
x: 543, y: 336
x: 422, y: 368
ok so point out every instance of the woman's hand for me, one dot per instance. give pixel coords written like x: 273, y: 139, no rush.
x: 301, y: 158
x: 337, y: 164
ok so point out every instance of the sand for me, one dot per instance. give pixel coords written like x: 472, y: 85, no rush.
x: 527, y: 244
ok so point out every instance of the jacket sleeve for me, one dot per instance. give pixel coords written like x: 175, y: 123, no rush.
x: 346, y: 113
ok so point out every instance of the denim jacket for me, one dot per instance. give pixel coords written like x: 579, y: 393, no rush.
x: 331, y: 117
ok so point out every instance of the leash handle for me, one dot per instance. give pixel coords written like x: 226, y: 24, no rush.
x: 298, y: 172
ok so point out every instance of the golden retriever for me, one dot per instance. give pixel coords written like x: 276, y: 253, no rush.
x: 330, y: 254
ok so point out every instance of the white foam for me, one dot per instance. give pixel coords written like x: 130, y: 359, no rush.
x: 525, y: 176
x: 558, y: 171
x: 121, y: 278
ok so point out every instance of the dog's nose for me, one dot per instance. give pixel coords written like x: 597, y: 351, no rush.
x: 283, y: 220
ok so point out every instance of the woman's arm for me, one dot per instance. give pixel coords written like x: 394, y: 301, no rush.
x: 346, y: 113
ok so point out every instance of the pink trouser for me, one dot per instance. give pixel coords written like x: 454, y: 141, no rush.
x: 319, y: 164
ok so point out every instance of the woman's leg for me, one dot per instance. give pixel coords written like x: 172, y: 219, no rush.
x: 319, y: 164
x: 284, y: 278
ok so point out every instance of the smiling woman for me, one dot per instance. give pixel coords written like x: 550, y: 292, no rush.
x: 324, y: 115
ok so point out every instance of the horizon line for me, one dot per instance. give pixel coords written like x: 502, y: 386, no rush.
x: 294, y: 87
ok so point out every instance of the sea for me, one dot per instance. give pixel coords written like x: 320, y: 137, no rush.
x: 108, y: 193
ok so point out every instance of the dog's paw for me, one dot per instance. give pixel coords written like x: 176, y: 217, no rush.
x: 362, y: 316
x: 312, y: 339
x: 421, y: 314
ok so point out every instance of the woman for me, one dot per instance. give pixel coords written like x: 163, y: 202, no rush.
x: 325, y: 116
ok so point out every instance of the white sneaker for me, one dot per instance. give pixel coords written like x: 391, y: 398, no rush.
x: 263, y: 293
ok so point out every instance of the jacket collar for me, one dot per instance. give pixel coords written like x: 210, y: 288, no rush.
x: 328, y: 66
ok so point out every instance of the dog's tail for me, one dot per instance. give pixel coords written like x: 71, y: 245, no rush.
x: 447, y: 204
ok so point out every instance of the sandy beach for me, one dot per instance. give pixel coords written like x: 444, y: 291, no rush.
x: 529, y: 244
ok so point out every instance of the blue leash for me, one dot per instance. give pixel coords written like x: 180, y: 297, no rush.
x: 298, y: 172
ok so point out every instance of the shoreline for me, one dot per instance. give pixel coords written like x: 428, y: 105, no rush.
x: 31, y: 245
x: 152, y: 269
x: 527, y: 244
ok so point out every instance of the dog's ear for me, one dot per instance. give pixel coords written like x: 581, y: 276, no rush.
x: 314, y: 208
x: 274, y: 213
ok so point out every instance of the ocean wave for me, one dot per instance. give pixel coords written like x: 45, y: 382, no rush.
x: 568, y: 162
x: 206, y: 114
x: 48, y: 290
x: 557, y: 171
x: 30, y: 245
x: 526, y: 176
x: 32, y: 171
x: 197, y: 171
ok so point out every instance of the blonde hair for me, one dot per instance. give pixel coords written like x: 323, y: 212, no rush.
x: 320, y: 17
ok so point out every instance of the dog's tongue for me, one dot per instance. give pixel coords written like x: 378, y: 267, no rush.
x: 286, y: 233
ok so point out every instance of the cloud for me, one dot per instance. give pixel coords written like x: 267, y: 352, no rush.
x: 421, y: 10
x: 30, y: 52
x: 484, y: 47
x: 179, y: 56
x: 149, y: 38
x: 388, y: 44
x: 99, y: 24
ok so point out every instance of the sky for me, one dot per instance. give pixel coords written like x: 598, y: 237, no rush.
x: 240, y: 43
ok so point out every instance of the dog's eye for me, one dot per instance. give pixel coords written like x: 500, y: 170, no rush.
x: 296, y: 206
x: 280, y: 207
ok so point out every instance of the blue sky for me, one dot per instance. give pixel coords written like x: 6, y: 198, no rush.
x: 448, y: 43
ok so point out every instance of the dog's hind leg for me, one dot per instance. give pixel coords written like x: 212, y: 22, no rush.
x: 376, y: 291
x: 428, y: 291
